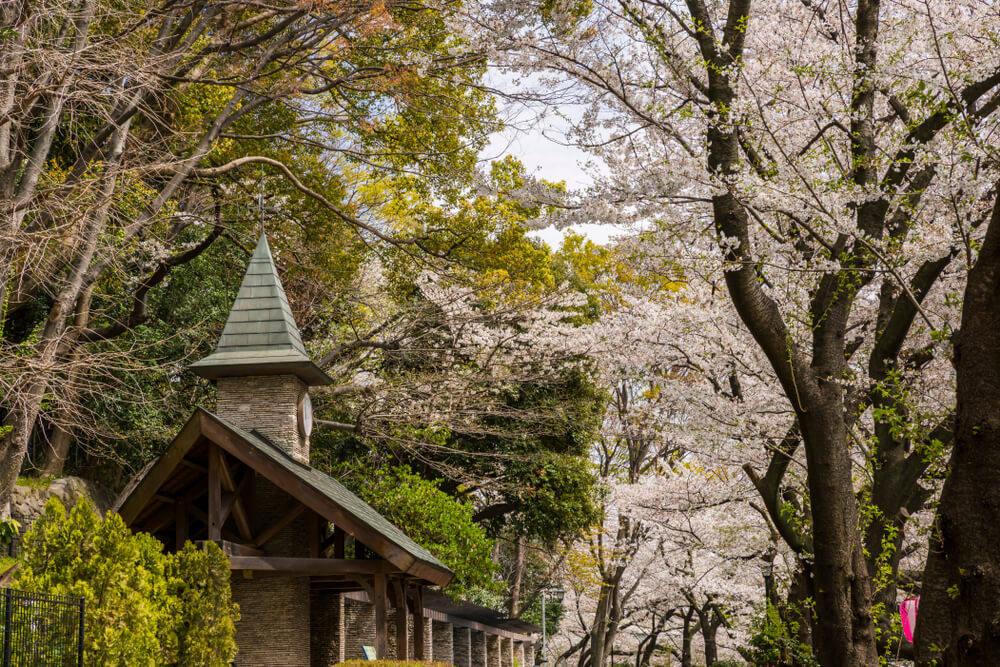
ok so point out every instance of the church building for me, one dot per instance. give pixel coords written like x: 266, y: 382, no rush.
x: 318, y: 573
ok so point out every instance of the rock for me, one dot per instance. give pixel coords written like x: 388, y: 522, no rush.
x: 27, y: 503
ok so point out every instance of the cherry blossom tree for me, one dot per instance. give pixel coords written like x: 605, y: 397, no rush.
x: 834, y: 160
x: 677, y: 557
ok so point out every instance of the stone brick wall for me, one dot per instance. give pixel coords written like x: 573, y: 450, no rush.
x: 506, y: 652
x: 519, y: 654
x: 413, y: 640
x: 529, y: 655
x: 327, y: 610
x: 478, y: 643
x: 390, y: 615
x: 359, y: 628
x: 268, y: 403
x: 462, y: 647
x: 274, y: 624
x: 492, y: 651
x: 443, y: 642
x: 29, y: 502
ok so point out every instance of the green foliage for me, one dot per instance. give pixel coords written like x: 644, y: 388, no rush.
x: 204, y: 614
x: 554, y: 611
x: 9, y: 529
x: 143, y: 607
x: 773, y: 642
x: 556, y: 496
x: 434, y: 520
x: 33, y: 482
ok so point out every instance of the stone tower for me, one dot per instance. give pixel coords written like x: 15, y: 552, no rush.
x: 262, y: 375
x: 260, y: 367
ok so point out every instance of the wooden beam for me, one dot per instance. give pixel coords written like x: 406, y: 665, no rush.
x: 315, y: 523
x: 312, y: 567
x: 239, y: 512
x: 150, y: 482
x: 243, y: 510
x: 402, y: 621
x: 418, y: 622
x: 158, y: 520
x: 202, y: 533
x: 228, y: 500
x: 325, y: 545
x: 317, y: 500
x: 214, y: 493
x: 337, y: 587
x: 232, y: 549
x: 367, y: 584
x: 381, y: 624
x: 269, y: 532
x: 194, y: 466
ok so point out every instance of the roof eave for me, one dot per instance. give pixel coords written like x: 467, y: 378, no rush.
x: 303, y: 368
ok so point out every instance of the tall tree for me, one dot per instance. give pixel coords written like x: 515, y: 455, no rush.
x: 835, y: 172
x: 130, y: 133
x: 961, y: 580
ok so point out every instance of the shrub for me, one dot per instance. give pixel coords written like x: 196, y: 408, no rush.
x: 773, y: 642
x: 144, y: 607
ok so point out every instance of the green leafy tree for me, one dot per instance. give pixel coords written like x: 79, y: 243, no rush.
x: 435, y: 520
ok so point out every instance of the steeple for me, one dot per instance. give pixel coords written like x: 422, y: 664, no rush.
x: 260, y: 336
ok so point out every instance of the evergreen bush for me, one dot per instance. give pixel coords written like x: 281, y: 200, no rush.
x: 143, y: 607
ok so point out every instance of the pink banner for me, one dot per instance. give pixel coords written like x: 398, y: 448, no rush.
x: 908, y: 612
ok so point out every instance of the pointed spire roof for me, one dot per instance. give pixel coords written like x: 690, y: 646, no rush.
x: 260, y: 337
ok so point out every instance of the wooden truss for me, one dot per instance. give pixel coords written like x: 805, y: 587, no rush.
x: 203, y: 488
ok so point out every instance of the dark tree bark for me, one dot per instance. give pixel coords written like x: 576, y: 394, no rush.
x: 710, y: 620
x: 689, y: 629
x: 958, y: 622
x: 515, y: 585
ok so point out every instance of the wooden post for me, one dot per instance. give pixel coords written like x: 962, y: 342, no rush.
x: 418, y: 622
x: 314, y: 534
x: 381, y: 626
x: 402, y: 625
x: 180, y: 524
x: 338, y: 542
x: 214, y: 494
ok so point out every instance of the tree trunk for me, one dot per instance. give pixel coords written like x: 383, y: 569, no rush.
x: 62, y: 436
x: 843, y: 590
x: 797, y: 610
x: 22, y: 416
x: 598, y: 632
x: 708, y: 633
x: 686, y: 638
x: 957, y: 623
x: 58, y: 451
x: 515, y: 585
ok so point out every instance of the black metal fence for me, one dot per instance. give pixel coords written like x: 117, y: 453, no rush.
x: 40, y: 630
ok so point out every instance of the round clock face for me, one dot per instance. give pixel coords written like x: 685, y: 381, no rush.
x: 306, y: 415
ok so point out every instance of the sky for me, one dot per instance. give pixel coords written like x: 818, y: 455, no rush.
x: 541, y: 145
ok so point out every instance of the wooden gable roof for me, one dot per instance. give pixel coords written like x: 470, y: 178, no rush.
x: 314, y: 489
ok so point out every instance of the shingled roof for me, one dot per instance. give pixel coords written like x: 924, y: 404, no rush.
x: 313, y: 488
x: 260, y: 336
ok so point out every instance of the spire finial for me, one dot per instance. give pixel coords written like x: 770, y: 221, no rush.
x: 260, y: 200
